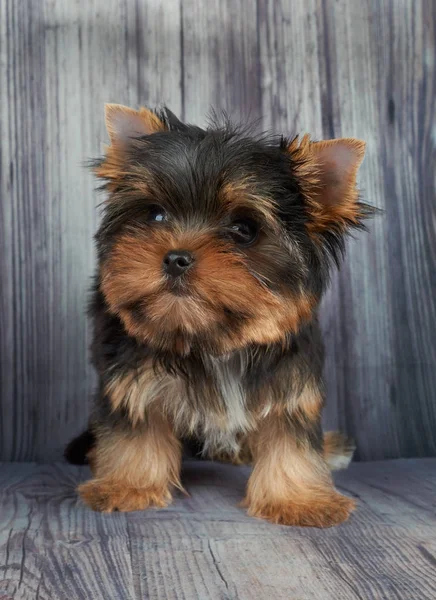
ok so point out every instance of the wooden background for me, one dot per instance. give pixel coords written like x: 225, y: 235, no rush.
x: 363, y: 68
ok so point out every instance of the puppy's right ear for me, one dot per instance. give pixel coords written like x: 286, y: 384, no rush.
x: 327, y: 172
x: 124, y: 123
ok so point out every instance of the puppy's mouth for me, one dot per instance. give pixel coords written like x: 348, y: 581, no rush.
x: 174, y: 306
x: 178, y: 321
x: 179, y: 309
x: 180, y: 286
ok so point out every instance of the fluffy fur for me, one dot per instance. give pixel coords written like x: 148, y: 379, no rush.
x: 229, y: 353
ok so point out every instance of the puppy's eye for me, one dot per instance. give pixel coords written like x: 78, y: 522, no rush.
x: 156, y: 214
x: 243, y: 232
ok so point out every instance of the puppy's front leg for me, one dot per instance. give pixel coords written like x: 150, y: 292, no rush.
x: 133, y: 468
x: 291, y: 482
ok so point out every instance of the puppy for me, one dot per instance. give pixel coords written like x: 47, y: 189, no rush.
x: 213, y: 254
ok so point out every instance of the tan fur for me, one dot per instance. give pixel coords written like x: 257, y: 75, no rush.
x: 330, y: 192
x: 338, y: 451
x: 140, y: 122
x: 115, y: 167
x: 218, y: 279
x: 136, y: 391
x: 309, y: 402
x: 291, y: 483
x: 134, y: 470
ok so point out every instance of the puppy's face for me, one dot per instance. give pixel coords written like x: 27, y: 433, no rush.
x: 216, y: 239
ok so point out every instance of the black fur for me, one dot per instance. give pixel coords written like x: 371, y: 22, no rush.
x: 77, y: 450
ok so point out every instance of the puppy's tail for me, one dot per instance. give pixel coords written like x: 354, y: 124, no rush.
x: 77, y: 450
x: 338, y: 450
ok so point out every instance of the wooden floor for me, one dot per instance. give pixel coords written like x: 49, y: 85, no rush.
x: 205, y: 547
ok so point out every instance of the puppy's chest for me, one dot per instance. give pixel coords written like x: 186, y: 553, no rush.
x: 216, y: 401
x: 215, y: 405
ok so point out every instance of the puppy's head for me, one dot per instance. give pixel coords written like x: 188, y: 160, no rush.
x: 216, y: 239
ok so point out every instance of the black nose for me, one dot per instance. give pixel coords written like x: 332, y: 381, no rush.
x: 177, y: 262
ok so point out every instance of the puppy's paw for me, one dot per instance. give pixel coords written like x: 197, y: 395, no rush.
x: 107, y: 496
x: 317, y: 511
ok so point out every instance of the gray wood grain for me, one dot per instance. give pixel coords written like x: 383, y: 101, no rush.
x: 204, y: 546
x: 331, y: 67
x: 220, y: 60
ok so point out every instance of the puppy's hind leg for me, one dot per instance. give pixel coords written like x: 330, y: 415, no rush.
x: 338, y: 450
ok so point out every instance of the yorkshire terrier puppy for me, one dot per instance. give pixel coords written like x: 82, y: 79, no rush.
x: 213, y: 254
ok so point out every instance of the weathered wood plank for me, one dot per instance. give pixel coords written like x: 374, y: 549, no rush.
x: 220, y: 59
x: 204, y: 546
x: 331, y: 67
x: 290, y: 47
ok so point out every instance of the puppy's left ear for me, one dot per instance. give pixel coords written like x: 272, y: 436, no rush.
x: 327, y: 173
x: 124, y: 123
